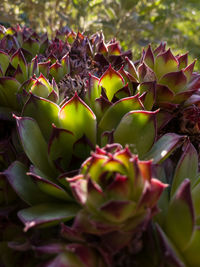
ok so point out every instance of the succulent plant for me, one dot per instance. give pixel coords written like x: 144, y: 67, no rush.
x: 69, y: 95
x: 180, y: 203
x: 175, y: 79
x: 118, y: 196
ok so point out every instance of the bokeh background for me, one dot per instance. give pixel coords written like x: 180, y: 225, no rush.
x: 134, y: 23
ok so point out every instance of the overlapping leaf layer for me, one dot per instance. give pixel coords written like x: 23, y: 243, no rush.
x: 99, y: 154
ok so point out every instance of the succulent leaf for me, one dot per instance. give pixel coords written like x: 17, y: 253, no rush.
x: 164, y: 147
x: 60, y: 147
x: 187, y: 167
x: 43, y: 111
x: 111, y: 81
x: 137, y: 128
x: 47, y: 214
x: 9, y: 95
x: 23, y: 184
x: 49, y: 187
x: 4, y: 62
x: 191, y: 253
x: 180, y: 210
x: 73, y: 116
x: 165, y: 62
x: 36, y: 150
x: 114, y: 114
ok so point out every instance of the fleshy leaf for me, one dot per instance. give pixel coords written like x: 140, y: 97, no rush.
x: 145, y: 73
x: 65, y: 62
x: 170, y: 253
x: 189, y: 70
x: 93, y: 92
x: 111, y: 81
x: 164, y: 147
x: 44, y: 68
x: 128, y: 78
x: 114, y: 49
x: 101, y: 105
x: 149, y: 57
x: 82, y: 147
x: 149, y: 89
x: 60, y: 147
x: 49, y: 213
x: 96, y: 168
x: 182, y: 61
x: 43, y: 111
x: 180, y: 210
x: 32, y: 45
x: 117, y: 211
x: 56, y: 71
x: 160, y: 48
x: 191, y: 254
x: 163, y: 93
x: 131, y: 68
x: 33, y: 67
x: 196, y: 198
x: 4, y: 62
x: 23, y: 184
x: 187, y: 167
x: 138, y: 129
x: 50, y: 188
x: 165, y: 63
x: 39, y: 89
x: 9, y: 87
x: 19, y: 59
x: 114, y: 114
x: 77, y: 117
x: 35, y: 145
x: 175, y: 81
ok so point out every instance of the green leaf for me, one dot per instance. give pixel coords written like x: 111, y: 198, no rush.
x: 114, y: 114
x: 50, y: 188
x: 77, y: 117
x: 191, y: 254
x: 9, y: 87
x: 43, y: 111
x: 60, y: 147
x: 19, y: 59
x: 164, y: 63
x: 111, y: 81
x: 164, y: 147
x: 56, y: 71
x: 23, y: 184
x: 4, y: 61
x: 138, y: 129
x: 179, y: 221
x: 187, y: 167
x: 173, y: 258
x: 93, y: 92
x: 31, y: 45
x: 65, y: 62
x: 44, y: 68
x: 196, y: 199
x: 175, y: 81
x: 149, y: 99
x: 34, y: 145
x: 47, y: 214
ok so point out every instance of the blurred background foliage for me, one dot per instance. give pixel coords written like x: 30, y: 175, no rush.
x: 134, y: 23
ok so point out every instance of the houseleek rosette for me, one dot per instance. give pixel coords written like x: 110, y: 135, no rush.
x: 118, y: 195
x: 167, y: 79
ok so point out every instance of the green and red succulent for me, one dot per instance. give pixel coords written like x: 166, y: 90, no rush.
x: 60, y: 100
x: 117, y: 192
